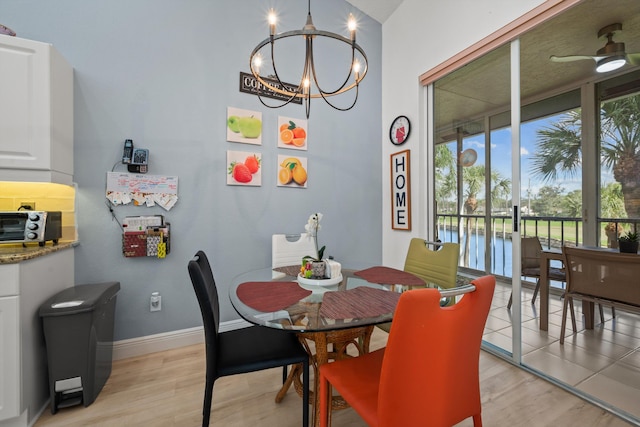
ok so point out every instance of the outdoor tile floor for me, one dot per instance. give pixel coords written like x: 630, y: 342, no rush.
x: 603, y: 362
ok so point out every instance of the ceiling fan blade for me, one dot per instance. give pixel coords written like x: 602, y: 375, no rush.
x: 571, y: 58
x: 633, y: 58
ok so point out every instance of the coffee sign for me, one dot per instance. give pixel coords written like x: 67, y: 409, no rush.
x: 249, y: 84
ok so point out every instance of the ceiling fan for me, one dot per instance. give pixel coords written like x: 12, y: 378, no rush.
x: 611, y: 57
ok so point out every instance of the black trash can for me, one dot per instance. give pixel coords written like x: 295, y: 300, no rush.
x: 78, y: 333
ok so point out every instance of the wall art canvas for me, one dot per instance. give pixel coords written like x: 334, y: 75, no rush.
x: 401, y: 190
x: 292, y: 171
x: 244, y: 168
x: 244, y: 126
x: 292, y: 133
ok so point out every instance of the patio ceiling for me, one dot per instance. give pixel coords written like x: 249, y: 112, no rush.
x: 483, y: 85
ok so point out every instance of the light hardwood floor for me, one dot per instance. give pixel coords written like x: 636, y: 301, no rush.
x: 166, y: 389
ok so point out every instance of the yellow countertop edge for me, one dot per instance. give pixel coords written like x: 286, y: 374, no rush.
x: 12, y: 254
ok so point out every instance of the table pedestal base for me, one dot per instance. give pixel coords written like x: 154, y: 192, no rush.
x: 329, y: 345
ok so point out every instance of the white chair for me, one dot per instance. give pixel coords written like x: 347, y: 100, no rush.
x: 289, y: 249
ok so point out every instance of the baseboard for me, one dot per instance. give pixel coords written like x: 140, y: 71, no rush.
x: 168, y: 340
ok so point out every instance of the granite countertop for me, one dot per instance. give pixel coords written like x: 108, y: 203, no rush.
x: 14, y: 253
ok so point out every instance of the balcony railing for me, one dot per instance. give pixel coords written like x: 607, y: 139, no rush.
x: 553, y: 232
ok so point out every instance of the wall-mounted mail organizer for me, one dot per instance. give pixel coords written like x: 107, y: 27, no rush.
x: 146, y: 236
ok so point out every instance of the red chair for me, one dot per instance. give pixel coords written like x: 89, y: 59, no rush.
x: 428, y: 373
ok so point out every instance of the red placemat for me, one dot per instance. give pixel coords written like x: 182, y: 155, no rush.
x: 357, y: 303
x: 389, y: 276
x: 270, y: 296
x: 289, y: 270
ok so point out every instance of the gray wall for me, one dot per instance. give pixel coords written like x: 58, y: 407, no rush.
x: 162, y: 72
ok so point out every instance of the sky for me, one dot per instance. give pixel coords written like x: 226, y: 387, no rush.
x: 502, y: 152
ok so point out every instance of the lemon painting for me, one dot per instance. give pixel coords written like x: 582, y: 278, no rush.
x: 292, y: 171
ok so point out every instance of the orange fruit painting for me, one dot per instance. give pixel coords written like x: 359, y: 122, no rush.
x: 286, y: 136
x: 299, y: 133
x: 292, y: 133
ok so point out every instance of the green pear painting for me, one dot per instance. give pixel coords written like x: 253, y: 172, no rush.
x: 244, y: 126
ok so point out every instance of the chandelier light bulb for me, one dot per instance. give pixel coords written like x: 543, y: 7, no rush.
x: 257, y: 62
x: 272, y: 18
x: 356, y: 66
x: 352, y: 24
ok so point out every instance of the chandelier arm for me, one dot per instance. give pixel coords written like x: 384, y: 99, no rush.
x: 326, y: 99
x: 275, y: 106
x: 277, y: 76
x: 291, y: 94
x: 315, y: 78
x: 312, y: 34
x: 323, y: 94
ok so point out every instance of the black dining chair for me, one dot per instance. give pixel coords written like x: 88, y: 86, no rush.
x: 243, y: 350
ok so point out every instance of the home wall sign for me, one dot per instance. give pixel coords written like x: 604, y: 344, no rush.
x: 249, y: 84
x: 401, y: 191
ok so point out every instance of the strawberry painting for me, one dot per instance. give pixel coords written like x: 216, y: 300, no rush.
x: 244, y: 168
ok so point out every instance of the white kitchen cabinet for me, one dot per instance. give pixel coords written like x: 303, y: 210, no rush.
x: 9, y: 359
x: 36, y: 112
x: 24, y: 287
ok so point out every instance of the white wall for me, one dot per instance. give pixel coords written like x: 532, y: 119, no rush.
x: 163, y: 72
x: 417, y: 37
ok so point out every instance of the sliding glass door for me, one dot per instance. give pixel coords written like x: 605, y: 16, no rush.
x: 566, y: 166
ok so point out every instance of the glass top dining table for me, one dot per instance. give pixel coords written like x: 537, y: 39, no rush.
x: 334, y: 314
x: 276, y: 299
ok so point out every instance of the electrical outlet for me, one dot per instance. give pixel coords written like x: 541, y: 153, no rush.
x: 28, y: 206
x: 155, y: 303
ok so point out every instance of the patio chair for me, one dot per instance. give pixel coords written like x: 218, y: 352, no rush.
x: 599, y: 276
x: 530, y: 264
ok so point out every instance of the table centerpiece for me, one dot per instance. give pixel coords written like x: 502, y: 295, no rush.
x: 314, y: 274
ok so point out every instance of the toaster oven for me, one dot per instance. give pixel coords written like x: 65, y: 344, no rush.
x: 30, y: 226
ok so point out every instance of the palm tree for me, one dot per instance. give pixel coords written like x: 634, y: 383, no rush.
x: 612, y: 206
x: 621, y: 148
x: 572, y: 204
x: 500, y: 189
x: 559, y: 148
x: 473, y: 181
x: 445, y: 166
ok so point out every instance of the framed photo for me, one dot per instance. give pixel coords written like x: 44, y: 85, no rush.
x: 292, y: 171
x: 244, y: 126
x: 401, y: 190
x: 292, y: 133
x: 244, y: 168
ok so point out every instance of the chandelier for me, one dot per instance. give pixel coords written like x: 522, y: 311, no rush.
x: 308, y: 86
